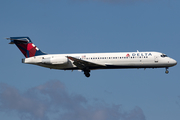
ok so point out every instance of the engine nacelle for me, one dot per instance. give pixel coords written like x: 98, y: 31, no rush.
x: 55, y: 60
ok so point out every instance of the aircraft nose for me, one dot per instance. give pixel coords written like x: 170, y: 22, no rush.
x: 173, y: 62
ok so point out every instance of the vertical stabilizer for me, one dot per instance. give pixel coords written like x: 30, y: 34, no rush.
x: 26, y: 46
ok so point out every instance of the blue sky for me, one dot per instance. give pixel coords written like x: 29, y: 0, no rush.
x: 80, y: 26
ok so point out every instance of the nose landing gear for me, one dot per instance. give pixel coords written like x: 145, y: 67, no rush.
x: 166, y: 70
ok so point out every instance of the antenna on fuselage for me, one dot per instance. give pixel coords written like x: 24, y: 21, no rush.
x: 137, y: 51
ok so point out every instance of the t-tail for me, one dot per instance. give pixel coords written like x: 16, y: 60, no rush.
x: 26, y: 46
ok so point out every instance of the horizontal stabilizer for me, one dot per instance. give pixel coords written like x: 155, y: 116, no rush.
x: 19, y: 39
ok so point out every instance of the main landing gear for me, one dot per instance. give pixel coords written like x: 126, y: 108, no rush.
x: 87, y: 72
x: 166, y: 70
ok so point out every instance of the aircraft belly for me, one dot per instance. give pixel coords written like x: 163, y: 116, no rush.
x: 131, y: 64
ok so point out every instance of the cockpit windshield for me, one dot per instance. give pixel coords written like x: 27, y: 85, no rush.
x: 163, y: 55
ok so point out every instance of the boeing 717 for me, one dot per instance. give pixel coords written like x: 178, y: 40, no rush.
x: 90, y: 61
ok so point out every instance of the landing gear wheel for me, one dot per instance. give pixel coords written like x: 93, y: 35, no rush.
x: 166, y: 71
x: 87, y: 74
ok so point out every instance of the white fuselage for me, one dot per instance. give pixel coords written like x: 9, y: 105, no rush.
x: 106, y: 60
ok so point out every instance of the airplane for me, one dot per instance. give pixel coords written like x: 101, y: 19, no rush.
x: 91, y: 61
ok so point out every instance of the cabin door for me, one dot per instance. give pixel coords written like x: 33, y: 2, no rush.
x: 156, y: 59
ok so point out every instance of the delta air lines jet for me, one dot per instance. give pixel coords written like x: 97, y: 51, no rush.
x: 90, y: 61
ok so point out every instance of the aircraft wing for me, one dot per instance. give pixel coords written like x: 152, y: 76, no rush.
x: 82, y: 64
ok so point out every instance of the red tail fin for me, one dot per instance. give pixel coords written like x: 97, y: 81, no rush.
x: 26, y: 46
